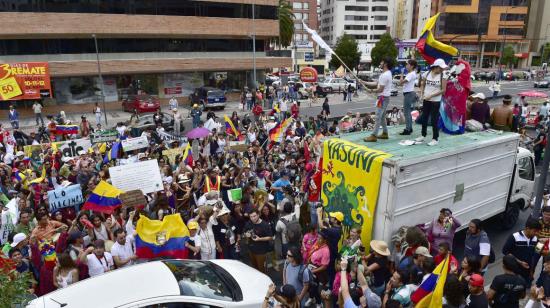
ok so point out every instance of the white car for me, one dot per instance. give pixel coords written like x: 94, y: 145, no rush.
x: 335, y: 84
x: 166, y: 283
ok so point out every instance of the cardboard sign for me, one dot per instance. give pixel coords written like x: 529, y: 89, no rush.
x: 65, y: 197
x: 71, y: 148
x: 171, y: 154
x: 239, y: 146
x: 133, y: 198
x: 135, y: 143
x: 25, y: 80
x: 144, y: 175
x: 104, y: 136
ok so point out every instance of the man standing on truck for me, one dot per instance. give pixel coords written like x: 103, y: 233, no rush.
x: 383, y: 89
x: 503, y: 115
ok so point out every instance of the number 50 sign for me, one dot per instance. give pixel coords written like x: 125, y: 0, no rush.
x: 9, y: 88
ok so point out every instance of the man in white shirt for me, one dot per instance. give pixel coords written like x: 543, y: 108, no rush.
x: 98, y: 260
x: 37, y: 108
x: 123, y: 250
x: 383, y: 89
x: 409, y: 94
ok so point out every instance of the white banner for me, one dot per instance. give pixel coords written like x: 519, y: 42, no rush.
x: 135, y: 143
x: 72, y: 148
x: 65, y: 197
x: 143, y: 175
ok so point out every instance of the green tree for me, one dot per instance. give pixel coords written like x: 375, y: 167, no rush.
x: 508, y: 57
x: 286, y: 23
x: 545, y: 52
x: 385, y: 47
x: 346, y: 48
x: 15, y: 286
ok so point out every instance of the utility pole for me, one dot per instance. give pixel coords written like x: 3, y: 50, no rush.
x: 542, y: 178
x: 254, y: 45
x: 100, y: 79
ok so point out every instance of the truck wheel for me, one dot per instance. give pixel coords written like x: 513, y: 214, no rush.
x: 510, y: 216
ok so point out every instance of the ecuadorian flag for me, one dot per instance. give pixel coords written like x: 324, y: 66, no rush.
x: 19, y: 176
x: 66, y: 129
x: 112, y: 153
x: 164, y: 238
x: 104, y: 198
x: 187, y: 157
x: 432, y: 49
x: 229, y: 127
x: 430, y: 292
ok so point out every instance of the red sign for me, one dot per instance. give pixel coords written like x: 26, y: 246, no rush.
x: 25, y: 80
x: 173, y: 91
x: 308, y: 74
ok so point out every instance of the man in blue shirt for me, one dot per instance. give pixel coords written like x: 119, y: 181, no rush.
x: 277, y: 187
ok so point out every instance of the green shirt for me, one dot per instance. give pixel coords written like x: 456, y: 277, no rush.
x: 21, y: 228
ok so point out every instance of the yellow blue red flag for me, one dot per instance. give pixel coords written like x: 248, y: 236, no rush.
x: 104, y: 198
x: 164, y: 238
x: 432, y: 49
x: 430, y: 292
x: 229, y: 127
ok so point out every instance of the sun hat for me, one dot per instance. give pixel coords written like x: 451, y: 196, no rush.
x: 481, y: 96
x: 192, y: 225
x: 224, y: 211
x: 182, y: 178
x: 380, y: 247
x: 440, y: 63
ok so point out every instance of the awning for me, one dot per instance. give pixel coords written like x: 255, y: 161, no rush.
x: 523, y: 55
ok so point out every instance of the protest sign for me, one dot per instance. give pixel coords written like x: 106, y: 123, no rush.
x: 143, y: 175
x: 172, y: 153
x: 169, y: 137
x: 135, y: 143
x: 239, y: 146
x: 133, y: 198
x: 235, y: 194
x: 72, y: 148
x: 104, y: 136
x: 33, y: 151
x: 63, y: 197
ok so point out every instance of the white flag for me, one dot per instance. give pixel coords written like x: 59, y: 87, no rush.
x: 318, y: 39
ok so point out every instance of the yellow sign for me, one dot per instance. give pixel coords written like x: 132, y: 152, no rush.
x: 351, y: 180
x: 9, y: 88
x: 171, y: 154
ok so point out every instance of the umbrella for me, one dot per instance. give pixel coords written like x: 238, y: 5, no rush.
x: 533, y: 94
x: 197, y: 133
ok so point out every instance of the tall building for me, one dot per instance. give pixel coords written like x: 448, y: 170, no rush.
x: 481, y: 28
x: 164, y: 47
x: 365, y: 20
x: 403, y: 21
x: 538, y: 28
x: 422, y: 11
x: 303, y: 49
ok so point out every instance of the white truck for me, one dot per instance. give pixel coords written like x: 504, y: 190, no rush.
x: 476, y: 175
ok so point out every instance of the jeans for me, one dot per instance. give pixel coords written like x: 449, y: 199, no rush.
x: 430, y: 109
x: 38, y: 116
x: 98, y: 118
x: 381, y: 116
x: 313, y: 213
x: 408, y: 104
x: 249, y: 105
x: 349, y: 96
x: 14, y: 124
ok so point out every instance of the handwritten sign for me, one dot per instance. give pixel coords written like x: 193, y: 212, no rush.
x: 143, y: 175
x: 72, y: 148
x: 65, y: 197
x: 133, y: 198
x: 135, y: 143
x: 104, y: 136
x: 164, y: 136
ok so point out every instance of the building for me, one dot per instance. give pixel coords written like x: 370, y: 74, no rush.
x: 365, y: 20
x: 538, y: 28
x: 303, y: 48
x: 403, y: 21
x: 481, y: 28
x: 164, y: 47
x: 422, y: 11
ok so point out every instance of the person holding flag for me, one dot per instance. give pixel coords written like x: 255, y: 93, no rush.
x: 383, y: 89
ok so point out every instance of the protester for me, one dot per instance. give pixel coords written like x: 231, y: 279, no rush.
x: 477, y: 244
x: 384, y: 87
x: 508, y: 288
x: 442, y: 229
x: 480, y: 109
x: 521, y: 245
x: 409, y: 94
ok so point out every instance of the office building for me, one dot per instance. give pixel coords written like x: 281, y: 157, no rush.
x: 303, y: 48
x: 162, y: 47
x: 538, y: 28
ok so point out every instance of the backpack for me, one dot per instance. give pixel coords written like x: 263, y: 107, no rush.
x: 293, y: 230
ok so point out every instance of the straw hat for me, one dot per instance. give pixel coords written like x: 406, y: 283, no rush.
x: 380, y: 247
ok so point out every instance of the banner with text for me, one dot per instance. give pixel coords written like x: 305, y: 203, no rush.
x: 24, y: 80
x: 143, y: 175
x: 65, y: 197
x: 135, y: 143
x: 104, y: 136
x: 351, y: 176
x: 72, y: 148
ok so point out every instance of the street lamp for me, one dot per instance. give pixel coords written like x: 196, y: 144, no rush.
x: 100, y: 78
x: 503, y: 42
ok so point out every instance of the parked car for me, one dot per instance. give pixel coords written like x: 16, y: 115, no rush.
x: 304, y: 90
x: 335, y: 84
x: 146, y: 121
x: 141, y: 103
x: 208, y: 97
x: 543, y: 83
x: 167, y: 283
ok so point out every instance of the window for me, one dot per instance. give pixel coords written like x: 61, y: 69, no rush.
x: 355, y: 27
x: 378, y: 27
x: 298, y: 26
x: 358, y: 8
x: 297, y: 5
x: 525, y: 168
x: 306, y: 6
x: 305, y: 16
x: 356, y: 18
x: 379, y: 8
x: 298, y: 16
x: 380, y: 18
x: 512, y: 17
x: 510, y: 31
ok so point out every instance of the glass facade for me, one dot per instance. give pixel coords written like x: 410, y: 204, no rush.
x: 148, y: 7
x: 119, y: 45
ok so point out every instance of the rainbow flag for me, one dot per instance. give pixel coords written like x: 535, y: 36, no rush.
x: 164, y: 238
x: 432, y: 49
x: 277, y: 133
x: 47, y: 250
x: 188, y: 155
x: 104, y: 198
x: 229, y: 127
x: 430, y: 292
x: 112, y: 153
x: 66, y: 129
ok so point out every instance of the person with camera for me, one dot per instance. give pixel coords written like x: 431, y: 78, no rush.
x: 258, y: 233
x: 227, y: 238
x: 442, y: 230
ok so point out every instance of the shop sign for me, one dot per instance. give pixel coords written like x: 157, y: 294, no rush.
x: 24, y: 80
x: 308, y: 74
x: 308, y: 56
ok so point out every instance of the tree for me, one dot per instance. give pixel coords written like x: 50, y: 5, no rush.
x: 15, y: 286
x: 286, y: 23
x: 385, y: 47
x: 545, y: 52
x: 508, y: 57
x: 347, y: 50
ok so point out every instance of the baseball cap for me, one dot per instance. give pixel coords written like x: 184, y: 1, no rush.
x: 18, y: 238
x: 422, y: 251
x: 440, y: 63
x: 337, y: 215
x: 476, y: 280
x: 192, y: 225
x: 479, y: 95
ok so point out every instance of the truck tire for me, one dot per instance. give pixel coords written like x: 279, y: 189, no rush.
x: 509, y: 218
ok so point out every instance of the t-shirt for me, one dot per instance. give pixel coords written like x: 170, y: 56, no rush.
x: 98, y: 266
x: 410, y: 79
x: 385, y: 80
x: 349, y: 303
x: 544, y: 110
x: 124, y: 252
x: 279, y: 195
x: 433, y: 85
x: 320, y: 256
x: 509, y: 289
x: 261, y: 229
x: 477, y: 301
x: 402, y: 295
x: 292, y: 273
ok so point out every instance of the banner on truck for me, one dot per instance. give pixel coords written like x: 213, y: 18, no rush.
x: 351, y: 176
x: 24, y: 80
x: 63, y: 197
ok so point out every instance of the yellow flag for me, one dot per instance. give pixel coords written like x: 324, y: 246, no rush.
x: 340, y: 72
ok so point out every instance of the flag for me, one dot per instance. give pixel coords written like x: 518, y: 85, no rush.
x: 164, y: 238
x: 229, y: 127
x: 66, y: 129
x: 104, y: 198
x: 47, y: 250
x: 277, y: 133
x: 432, y: 49
x: 187, y: 157
x: 340, y: 72
x: 235, y: 194
x: 113, y: 153
x: 430, y: 292
x: 319, y: 40
x: 41, y: 178
x: 102, y: 147
x: 19, y: 176
x: 276, y: 108
x: 307, y: 155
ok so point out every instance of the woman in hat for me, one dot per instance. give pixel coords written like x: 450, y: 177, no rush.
x: 377, y: 265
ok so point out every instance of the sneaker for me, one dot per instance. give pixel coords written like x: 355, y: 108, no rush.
x: 371, y: 138
x: 419, y: 139
x: 433, y: 142
x: 383, y: 136
x: 406, y: 132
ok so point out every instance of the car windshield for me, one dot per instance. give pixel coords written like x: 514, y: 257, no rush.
x: 144, y: 97
x: 215, y: 93
x: 204, y: 279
